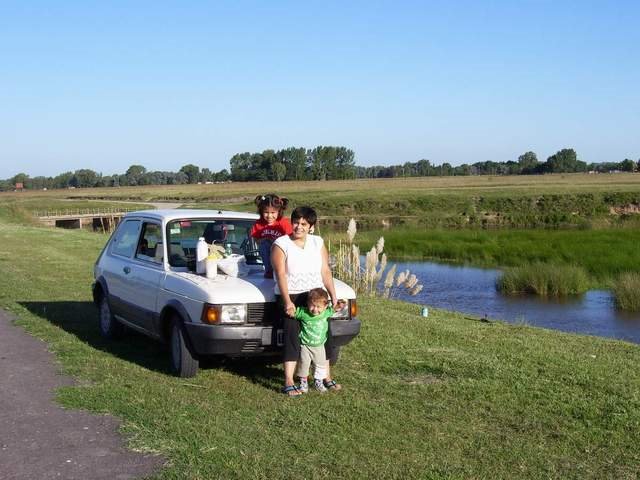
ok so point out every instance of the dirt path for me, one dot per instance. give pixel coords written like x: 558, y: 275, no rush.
x: 41, y: 440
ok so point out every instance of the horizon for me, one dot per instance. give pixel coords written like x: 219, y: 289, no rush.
x: 107, y: 86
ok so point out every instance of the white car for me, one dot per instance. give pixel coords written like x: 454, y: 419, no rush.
x: 145, y: 280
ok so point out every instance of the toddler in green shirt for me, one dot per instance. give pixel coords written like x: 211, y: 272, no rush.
x: 314, y: 327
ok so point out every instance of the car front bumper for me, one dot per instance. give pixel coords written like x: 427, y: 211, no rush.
x: 246, y: 340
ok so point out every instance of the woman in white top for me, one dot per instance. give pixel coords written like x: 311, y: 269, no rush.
x: 301, y: 263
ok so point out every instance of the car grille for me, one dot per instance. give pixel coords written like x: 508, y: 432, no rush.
x: 264, y: 313
x: 252, y: 347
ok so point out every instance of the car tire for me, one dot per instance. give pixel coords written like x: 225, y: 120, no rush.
x: 183, y: 362
x: 109, y: 327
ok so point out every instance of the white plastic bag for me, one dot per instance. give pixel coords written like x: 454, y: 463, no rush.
x: 234, y: 265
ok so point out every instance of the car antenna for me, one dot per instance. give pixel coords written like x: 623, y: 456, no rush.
x: 220, y: 212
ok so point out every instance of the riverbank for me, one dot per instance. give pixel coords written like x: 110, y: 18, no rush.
x: 445, y: 396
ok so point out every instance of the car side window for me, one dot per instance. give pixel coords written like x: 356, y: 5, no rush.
x: 126, y: 238
x: 150, y: 245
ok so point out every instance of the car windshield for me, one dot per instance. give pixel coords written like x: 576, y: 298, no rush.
x: 183, y: 234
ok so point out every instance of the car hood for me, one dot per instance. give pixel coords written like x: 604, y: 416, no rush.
x: 251, y: 288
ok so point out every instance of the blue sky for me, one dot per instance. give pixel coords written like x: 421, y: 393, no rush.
x: 104, y: 85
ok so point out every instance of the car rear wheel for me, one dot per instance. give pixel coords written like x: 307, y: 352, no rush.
x: 183, y: 362
x: 109, y: 327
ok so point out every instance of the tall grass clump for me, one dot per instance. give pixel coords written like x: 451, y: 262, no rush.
x: 373, y: 278
x: 626, y: 290
x: 544, y: 279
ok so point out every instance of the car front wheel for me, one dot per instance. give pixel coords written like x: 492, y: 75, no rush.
x: 183, y: 363
x: 109, y: 327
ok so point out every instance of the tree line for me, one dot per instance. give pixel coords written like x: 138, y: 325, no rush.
x: 320, y: 163
x: 563, y: 161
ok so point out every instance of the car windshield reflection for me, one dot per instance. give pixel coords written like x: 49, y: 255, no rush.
x: 183, y: 234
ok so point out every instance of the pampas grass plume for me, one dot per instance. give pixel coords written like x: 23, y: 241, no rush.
x: 351, y: 230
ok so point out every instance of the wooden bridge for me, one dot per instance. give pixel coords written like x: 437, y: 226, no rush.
x: 104, y: 219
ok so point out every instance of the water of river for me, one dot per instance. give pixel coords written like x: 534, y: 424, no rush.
x: 472, y: 290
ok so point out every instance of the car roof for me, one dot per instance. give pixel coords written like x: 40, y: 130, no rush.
x: 168, y: 215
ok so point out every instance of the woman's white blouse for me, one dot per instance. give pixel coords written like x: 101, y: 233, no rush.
x: 303, y: 265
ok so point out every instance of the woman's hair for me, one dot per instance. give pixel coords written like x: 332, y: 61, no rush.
x: 308, y: 213
x: 271, y: 200
x: 318, y: 294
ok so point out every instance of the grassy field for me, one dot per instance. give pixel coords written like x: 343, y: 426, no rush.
x: 438, y: 397
x: 573, y: 200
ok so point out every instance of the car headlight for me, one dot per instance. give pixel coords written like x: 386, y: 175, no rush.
x: 224, y: 314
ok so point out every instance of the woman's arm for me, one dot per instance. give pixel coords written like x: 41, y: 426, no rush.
x: 278, y: 261
x: 327, y: 277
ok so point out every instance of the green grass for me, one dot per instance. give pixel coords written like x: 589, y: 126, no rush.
x: 603, y: 254
x: 543, y: 279
x: 438, y: 397
x: 626, y: 290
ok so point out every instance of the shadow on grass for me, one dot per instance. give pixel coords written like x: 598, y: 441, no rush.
x: 81, y: 320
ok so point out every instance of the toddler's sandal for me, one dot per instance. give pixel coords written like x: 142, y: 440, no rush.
x: 291, y: 391
x: 332, y: 385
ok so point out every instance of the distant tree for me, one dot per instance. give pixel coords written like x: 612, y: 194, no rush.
x: 133, y: 174
x: 240, y: 165
x: 179, y: 178
x: 19, y: 178
x: 328, y: 158
x: 316, y: 165
x: 191, y: 171
x: 260, y: 166
x: 465, y: 169
x: 84, y: 178
x: 627, y: 165
x: 295, y: 161
x: 528, y: 162
x: 345, y: 163
x: 563, y: 161
x: 423, y: 168
x: 135, y: 170
x: 279, y: 171
x: 206, y: 175
x: 222, y: 176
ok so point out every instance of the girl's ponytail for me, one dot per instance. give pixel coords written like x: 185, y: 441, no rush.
x: 271, y: 200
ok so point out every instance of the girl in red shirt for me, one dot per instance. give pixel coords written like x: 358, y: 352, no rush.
x: 270, y: 226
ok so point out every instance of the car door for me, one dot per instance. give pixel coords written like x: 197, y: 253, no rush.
x: 145, y: 277
x: 118, y: 266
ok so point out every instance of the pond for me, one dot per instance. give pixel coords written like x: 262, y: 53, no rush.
x: 472, y: 290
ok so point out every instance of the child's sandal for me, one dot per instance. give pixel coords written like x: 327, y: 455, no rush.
x: 332, y: 385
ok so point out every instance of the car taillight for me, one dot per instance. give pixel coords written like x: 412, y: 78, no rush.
x: 353, y: 308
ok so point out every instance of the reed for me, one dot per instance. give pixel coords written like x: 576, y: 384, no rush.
x: 626, y: 290
x: 368, y: 279
x: 544, y: 279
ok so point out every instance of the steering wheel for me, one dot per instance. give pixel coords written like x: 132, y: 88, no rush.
x: 254, y: 252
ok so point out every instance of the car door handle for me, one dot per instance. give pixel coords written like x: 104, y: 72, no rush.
x: 126, y: 270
